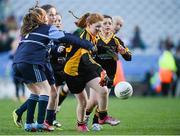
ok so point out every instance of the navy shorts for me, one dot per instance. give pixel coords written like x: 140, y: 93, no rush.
x: 28, y: 73
x: 49, y: 73
x: 76, y: 84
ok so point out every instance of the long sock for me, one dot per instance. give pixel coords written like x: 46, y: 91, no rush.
x: 96, y: 116
x: 50, y: 116
x: 54, y: 116
x: 31, y: 105
x: 88, y: 113
x: 95, y: 119
x: 62, y: 97
x: 102, y: 114
x: 43, y: 101
x: 22, y: 108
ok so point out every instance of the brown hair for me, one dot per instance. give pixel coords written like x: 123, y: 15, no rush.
x: 47, y: 7
x: 82, y: 21
x: 89, y: 19
x: 107, y: 16
x: 33, y: 19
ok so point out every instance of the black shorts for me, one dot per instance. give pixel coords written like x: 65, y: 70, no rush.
x: 109, y: 65
x: 49, y: 73
x: 59, y: 77
x: 76, y: 84
x: 28, y: 73
x: 58, y: 68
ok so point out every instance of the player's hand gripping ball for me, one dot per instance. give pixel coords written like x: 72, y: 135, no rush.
x: 123, y: 90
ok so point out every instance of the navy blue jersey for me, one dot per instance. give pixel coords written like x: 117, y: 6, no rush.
x: 33, y: 47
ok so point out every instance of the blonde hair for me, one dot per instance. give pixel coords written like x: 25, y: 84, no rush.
x: 118, y: 19
x: 89, y: 19
x: 32, y: 20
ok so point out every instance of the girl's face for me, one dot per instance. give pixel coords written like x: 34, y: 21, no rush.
x: 107, y: 25
x: 51, y: 14
x: 117, y: 25
x: 59, y: 22
x: 95, y: 28
x: 46, y: 19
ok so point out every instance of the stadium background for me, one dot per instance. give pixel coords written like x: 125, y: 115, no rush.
x: 157, y: 20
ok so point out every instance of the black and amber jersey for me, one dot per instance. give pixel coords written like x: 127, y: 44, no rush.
x: 58, y: 59
x: 108, y: 48
x: 79, y: 60
x: 107, y: 53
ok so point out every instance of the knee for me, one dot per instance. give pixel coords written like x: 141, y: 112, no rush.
x: 84, y: 103
x: 104, y: 91
x: 90, y: 105
x: 45, y: 90
x: 53, y: 93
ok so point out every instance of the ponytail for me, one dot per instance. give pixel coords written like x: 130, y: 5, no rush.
x: 81, y: 22
x: 32, y: 20
x: 87, y: 19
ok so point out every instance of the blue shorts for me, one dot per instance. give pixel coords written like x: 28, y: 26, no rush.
x: 28, y: 73
x: 49, y: 73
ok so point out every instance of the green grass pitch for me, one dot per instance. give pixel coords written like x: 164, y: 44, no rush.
x: 139, y: 116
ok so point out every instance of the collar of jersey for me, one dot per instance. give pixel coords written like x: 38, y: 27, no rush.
x: 92, y: 36
x: 106, y: 40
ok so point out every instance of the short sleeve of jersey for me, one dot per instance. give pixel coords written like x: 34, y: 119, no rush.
x: 55, y: 34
